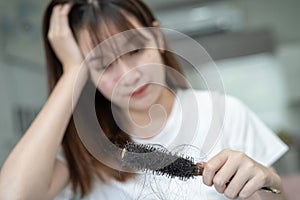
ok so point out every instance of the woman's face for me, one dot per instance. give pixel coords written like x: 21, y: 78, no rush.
x: 134, y: 80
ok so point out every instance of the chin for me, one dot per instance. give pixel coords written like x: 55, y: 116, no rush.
x: 140, y: 106
x: 137, y: 105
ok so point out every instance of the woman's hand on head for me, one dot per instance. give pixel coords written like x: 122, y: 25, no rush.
x: 235, y: 174
x: 62, y: 39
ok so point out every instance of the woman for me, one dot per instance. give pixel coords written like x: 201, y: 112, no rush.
x: 137, y: 99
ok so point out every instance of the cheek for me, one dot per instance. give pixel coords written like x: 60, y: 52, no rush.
x: 159, y: 75
x: 106, y: 87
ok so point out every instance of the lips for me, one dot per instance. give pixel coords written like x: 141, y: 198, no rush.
x: 139, y: 92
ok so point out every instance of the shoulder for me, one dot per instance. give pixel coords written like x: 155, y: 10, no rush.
x: 212, y: 98
x: 215, y: 107
x: 225, y: 111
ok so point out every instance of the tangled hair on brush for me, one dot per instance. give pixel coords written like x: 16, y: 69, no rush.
x: 159, y: 161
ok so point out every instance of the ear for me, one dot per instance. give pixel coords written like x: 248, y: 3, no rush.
x: 159, y: 36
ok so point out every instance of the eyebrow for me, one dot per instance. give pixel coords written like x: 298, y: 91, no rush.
x: 137, y: 39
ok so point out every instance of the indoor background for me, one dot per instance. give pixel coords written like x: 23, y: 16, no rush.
x: 254, y: 43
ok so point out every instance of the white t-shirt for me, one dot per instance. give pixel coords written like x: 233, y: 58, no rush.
x: 196, y: 127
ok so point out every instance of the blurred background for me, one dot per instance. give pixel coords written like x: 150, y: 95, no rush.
x: 254, y: 43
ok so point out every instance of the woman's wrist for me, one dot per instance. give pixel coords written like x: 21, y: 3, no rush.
x: 75, y: 71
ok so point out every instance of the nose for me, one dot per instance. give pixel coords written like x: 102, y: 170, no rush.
x: 129, y: 74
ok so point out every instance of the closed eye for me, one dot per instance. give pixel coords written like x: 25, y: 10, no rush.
x: 104, y: 67
x: 96, y: 63
x: 135, y: 51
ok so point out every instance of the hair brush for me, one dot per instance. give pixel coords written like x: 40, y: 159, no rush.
x: 159, y: 161
x: 162, y: 162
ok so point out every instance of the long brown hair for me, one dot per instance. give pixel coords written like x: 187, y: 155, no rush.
x: 82, y: 164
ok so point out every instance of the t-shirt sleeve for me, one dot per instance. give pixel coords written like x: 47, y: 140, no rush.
x: 67, y: 192
x: 60, y: 155
x: 245, y: 132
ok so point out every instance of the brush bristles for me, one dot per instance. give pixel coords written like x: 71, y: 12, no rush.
x: 159, y: 161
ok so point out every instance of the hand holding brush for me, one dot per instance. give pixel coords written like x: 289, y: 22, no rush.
x: 161, y: 162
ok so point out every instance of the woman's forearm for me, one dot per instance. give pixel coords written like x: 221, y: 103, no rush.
x: 29, y: 167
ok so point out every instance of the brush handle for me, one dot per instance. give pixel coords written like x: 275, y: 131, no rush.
x: 199, y: 172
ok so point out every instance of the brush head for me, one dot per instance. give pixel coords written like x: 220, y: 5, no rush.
x: 159, y: 161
